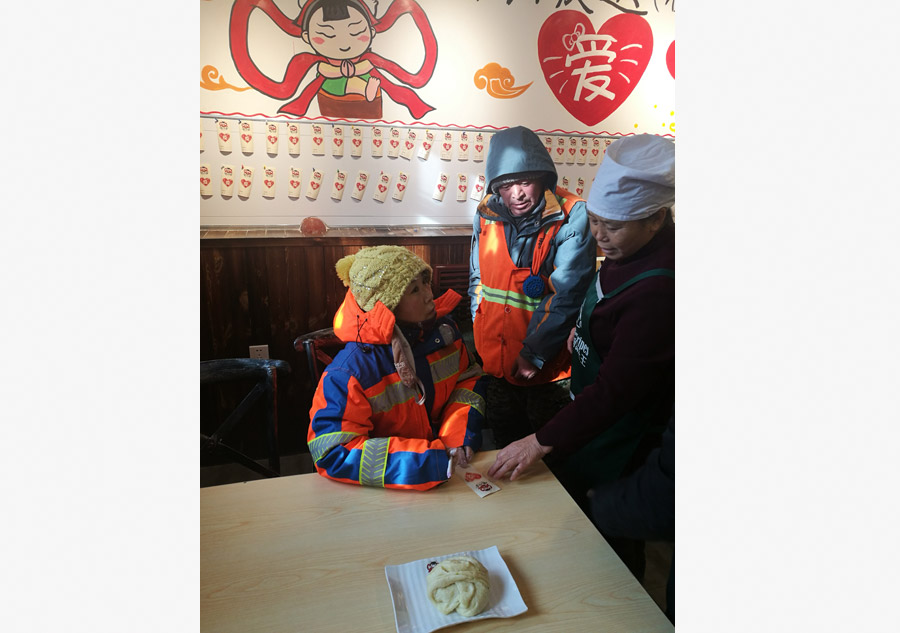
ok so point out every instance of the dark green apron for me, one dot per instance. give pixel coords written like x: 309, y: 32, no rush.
x: 604, y: 458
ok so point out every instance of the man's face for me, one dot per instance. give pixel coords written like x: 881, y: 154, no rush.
x: 522, y: 196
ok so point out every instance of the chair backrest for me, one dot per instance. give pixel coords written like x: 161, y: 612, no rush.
x: 264, y: 372
x: 319, y: 347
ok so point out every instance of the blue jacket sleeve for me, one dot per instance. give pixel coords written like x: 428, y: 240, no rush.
x: 474, y: 268
x: 574, y: 264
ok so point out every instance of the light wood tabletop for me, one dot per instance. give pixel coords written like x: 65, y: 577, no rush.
x: 304, y: 553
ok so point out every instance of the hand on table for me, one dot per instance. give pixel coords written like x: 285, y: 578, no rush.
x: 525, y: 370
x: 516, y: 458
x: 461, y: 455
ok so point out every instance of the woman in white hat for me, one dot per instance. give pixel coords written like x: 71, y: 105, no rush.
x: 623, y: 344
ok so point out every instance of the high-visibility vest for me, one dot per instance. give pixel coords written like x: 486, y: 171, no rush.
x: 505, y: 311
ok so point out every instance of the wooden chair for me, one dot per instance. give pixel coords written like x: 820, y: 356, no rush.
x: 265, y: 372
x: 319, y: 347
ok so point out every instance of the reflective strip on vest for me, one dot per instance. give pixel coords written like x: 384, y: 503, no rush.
x: 444, y: 368
x: 320, y: 446
x: 374, y: 461
x: 468, y: 397
x: 504, y: 297
x: 393, y: 394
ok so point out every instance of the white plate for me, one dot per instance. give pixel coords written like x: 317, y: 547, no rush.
x: 414, y: 613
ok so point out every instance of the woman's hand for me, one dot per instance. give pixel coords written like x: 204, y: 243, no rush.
x: 516, y: 458
x: 462, y: 455
x: 571, y: 340
x: 524, y: 369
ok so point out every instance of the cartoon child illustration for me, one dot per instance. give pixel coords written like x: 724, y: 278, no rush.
x: 350, y: 77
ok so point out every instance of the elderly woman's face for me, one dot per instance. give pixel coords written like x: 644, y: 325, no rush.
x: 417, y: 303
x: 618, y: 239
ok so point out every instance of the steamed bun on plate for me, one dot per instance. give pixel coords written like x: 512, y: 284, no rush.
x: 459, y: 584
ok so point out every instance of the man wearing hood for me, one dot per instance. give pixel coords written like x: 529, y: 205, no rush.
x: 532, y: 260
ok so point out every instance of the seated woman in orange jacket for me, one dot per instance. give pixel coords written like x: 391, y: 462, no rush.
x: 402, y: 399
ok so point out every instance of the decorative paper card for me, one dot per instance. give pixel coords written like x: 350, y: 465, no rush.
x: 246, y: 128
x: 268, y: 182
x: 202, y: 144
x: 548, y: 143
x: 394, y: 143
x: 400, y: 187
x: 315, y: 183
x: 463, y: 146
x: 205, y: 181
x: 559, y: 153
x: 359, y: 188
x: 440, y: 187
x: 356, y: 141
x: 318, y: 140
x: 462, y: 187
x: 224, y: 134
x: 272, y: 138
x: 606, y: 143
x: 377, y: 142
x: 478, y: 154
x: 337, y: 188
x: 409, y: 145
x: 564, y: 183
x: 594, y: 156
x: 227, y: 187
x: 246, y: 181
x: 478, y: 188
x: 447, y: 146
x: 384, y: 181
x: 293, y: 139
x: 579, y: 187
x: 479, y: 483
x: 294, y: 183
x: 425, y: 150
x: 337, y: 141
x: 582, y: 150
x: 572, y: 150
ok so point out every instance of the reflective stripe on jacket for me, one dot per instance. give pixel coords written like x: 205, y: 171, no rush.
x: 504, y: 312
x: 367, y: 427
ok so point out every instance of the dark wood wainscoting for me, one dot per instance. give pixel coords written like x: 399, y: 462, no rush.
x: 270, y: 290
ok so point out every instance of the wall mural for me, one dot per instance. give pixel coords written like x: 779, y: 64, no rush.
x: 570, y: 66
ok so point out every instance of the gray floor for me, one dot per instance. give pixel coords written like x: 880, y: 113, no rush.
x: 659, y: 554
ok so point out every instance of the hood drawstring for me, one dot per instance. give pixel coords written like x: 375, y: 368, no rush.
x: 365, y: 347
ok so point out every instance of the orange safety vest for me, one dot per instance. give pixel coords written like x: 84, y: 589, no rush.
x: 505, y: 311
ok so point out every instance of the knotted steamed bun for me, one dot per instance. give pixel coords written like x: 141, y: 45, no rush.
x: 459, y: 584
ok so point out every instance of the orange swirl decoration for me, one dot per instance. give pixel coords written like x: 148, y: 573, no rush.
x: 498, y: 82
x: 208, y: 77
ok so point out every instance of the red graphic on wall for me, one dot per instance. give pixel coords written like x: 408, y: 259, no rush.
x: 593, y: 72
x: 350, y: 76
x: 670, y: 59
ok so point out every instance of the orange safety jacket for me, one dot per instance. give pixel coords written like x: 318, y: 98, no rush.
x: 367, y: 427
x: 504, y: 313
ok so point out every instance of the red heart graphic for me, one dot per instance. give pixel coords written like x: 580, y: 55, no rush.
x: 245, y: 183
x: 478, y: 148
x: 670, y: 59
x: 572, y: 151
x: 338, y: 185
x: 246, y: 137
x: 294, y: 139
x: 401, y: 187
x: 427, y: 146
x: 227, y: 181
x: 317, y: 140
x: 360, y: 186
x: 447, y: 146
x: 463, y: 146
x: 295, y: 183
x: 559, y: 150
x: 382, y: 188
x: 462, y: 187
x: 593, y: 72
x: 338, y: 141
x: 409, y: 145
x: 441, y: 187
x: 357, y: 142
x: 472, y: 476
x: 269, y: 183
x: 478, y: 188
x: 376, y: 142
x: 595, y: 151
x: 204, y: 181
x: 394, y: 143
x: 224, y: 137
x: 272, y: 139
x: 314, y: 185
x: 583, y: 152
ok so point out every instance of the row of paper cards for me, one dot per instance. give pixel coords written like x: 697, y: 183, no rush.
x: 570, y: 150
x: 231, y: 179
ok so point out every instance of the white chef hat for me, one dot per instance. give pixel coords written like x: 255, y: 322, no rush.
x: 635, y: 179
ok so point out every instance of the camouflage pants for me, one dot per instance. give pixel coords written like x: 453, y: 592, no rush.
x: 514, y: 412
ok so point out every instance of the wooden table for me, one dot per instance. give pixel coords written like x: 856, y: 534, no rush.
x: 305, y: 553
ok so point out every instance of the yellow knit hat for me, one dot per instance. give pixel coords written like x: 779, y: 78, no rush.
x: 380, y: 273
